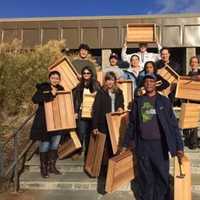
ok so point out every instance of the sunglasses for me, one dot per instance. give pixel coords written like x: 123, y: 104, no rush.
x: 86, y: 73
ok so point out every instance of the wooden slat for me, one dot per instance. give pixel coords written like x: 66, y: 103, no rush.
x: 169, y: 75
x: 69, y: 75
x: 127, y: 89
x: 88, y: 100
x: 141, y: 33
x: 189, y: 115
x: 117, y: 123
x: 182, y: 186
x: 188, y: 89
x: 100, y: 76
x: 56, y: 114
x: 59, y: 113
x: 49, y: 116
x: 120, y: 171
x: 95, y: 154
x: 71, y: 121
x: 69, y: 146
x: 62, y: 110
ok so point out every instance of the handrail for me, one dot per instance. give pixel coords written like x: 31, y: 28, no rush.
x: 18, y: 130
x: 19, y: 157
x: 13, y: 167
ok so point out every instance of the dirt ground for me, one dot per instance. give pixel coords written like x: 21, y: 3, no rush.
x: 22, y: 195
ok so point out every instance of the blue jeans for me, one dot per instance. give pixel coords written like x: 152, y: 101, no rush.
x: 84, y: 128
x: 50, y: 145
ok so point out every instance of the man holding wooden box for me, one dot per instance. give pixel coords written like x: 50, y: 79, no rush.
x: 166, y: 60
x: 154, y: 130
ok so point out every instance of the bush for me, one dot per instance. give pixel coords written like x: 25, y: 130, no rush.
x: 19, y: 73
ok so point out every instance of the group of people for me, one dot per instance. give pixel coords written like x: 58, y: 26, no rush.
x: 152, y: 126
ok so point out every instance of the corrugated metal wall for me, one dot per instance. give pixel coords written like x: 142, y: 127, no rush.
x: 105, y: 32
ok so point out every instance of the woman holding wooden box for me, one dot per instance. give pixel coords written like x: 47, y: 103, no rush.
x: 108, y: 99
x: 49, y: 142
x: 87, y: 87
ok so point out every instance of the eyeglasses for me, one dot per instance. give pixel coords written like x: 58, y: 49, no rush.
x: 86, y: 73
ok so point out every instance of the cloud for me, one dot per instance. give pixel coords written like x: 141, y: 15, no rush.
x: 178, y: 6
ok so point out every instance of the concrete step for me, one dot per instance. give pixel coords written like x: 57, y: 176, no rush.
x: 68, y: 165
x: 67, y: 181
x: 194, y: 156
x: 76, y: 181
x: 195, y: 167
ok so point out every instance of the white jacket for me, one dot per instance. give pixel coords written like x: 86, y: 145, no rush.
x: 144, y: 57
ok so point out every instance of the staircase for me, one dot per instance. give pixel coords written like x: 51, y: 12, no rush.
x: 74, y: 179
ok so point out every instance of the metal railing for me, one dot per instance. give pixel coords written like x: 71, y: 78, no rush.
x: 13, y: 168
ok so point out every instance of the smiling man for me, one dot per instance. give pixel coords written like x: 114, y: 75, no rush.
x: 154, y: 131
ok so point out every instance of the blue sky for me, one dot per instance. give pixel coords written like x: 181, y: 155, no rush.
x: 52, y: 8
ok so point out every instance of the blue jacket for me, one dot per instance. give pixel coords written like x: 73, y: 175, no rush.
x: 129, y: 75
x: 167, y: 121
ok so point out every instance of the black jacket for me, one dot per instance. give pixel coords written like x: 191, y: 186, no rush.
x: 77, y: 92
x: 102, y: 105
x: 43, y: 94
x: 167, y: 121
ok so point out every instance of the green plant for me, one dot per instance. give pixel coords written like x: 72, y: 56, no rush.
x: 19, y: 73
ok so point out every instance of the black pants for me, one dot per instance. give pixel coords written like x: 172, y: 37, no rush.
x: 191, y: 137
x: 153, y: 170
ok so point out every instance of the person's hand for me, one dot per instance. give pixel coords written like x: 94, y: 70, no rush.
x: 79, y: 77
x: 53, y: 91
x: 95, y: 131
x: 120, y: 110
x: 180, y: 155
x: 76, y: 115
x: 123, y: 149
x: 125, y: 43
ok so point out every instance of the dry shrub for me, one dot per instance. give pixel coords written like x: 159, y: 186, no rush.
x: 19, y: 73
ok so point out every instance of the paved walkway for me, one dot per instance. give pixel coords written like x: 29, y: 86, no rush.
x: 66, y: 195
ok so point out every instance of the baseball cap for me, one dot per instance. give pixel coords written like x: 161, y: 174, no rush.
x: 113, y: 55
x: 151, y: 76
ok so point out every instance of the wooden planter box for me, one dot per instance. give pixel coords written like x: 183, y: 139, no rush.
x: 95, y: 154
x: 188, y: 89
x: 100, y: 76
x: 59, y: 113
x: 69, y: 146
x: 117, y: 124
x: 127, y: 88
x: 182, y: 186
x: 120, y: 171
x: 88, y: 100
x: 69, y: 75
x: 141, y: 33
x: 189, y: 116
x: 171, y: 76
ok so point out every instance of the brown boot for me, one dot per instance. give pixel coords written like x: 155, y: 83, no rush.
x: 44, y: 164
x: 52, y: 162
